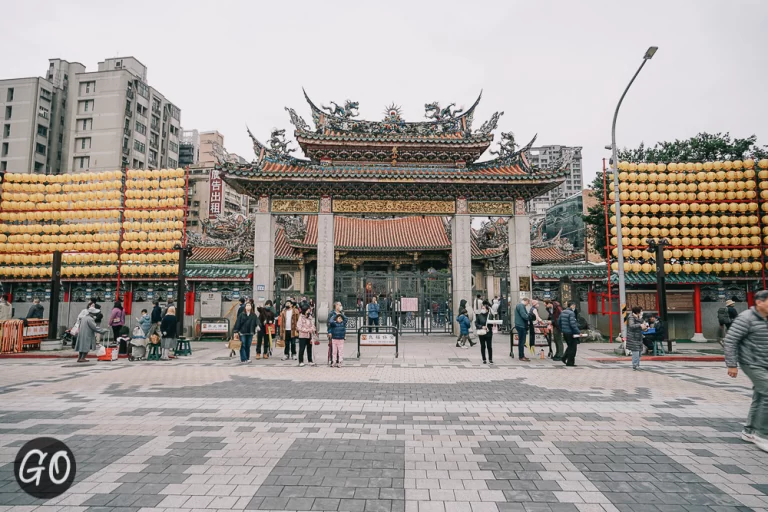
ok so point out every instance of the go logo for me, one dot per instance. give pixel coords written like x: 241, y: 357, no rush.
x: 45, y: 468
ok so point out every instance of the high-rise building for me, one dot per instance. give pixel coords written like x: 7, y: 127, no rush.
x: 74, y: 120
x: 543, y: 156
x: 189, y: 148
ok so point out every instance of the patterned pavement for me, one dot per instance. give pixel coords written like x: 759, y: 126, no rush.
x: 433, y: 430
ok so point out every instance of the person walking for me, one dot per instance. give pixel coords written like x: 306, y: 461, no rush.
x: 521, y: 326
x: 168, y: 330
x: 337, y: 330
x: 570, y: 328
x: 484, y: 333
x: 247, y: 325
x: 464, y: 324
x: 117, y: 318
x: 635, y: 327
x: 289, y: 320
x: 156, y: 317
x: 86, y: 336
x: 746, y: 346
x: 306, y: 327
x: 373, y: 314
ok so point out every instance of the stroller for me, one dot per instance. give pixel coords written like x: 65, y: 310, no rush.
x: 138, y: 345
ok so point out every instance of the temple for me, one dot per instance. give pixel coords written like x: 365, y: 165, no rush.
x: 377, y: 199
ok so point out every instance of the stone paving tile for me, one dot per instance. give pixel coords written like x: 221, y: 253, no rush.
x: 387, y: 435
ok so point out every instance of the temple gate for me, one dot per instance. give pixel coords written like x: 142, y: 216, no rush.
x: 392, y: 168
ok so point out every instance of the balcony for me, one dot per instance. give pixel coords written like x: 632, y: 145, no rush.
x: 128, y: 112
x: 153, y: 144
x: 126, y: 151
x: 127, y: 131
x: 129, y: 94
x: 156, y: 110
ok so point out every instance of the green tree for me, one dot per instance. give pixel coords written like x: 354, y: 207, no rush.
x: 701, y: 148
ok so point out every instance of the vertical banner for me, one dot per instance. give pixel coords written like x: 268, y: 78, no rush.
x: 216, y: 195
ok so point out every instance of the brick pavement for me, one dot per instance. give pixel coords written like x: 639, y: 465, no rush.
x: 431, y: 430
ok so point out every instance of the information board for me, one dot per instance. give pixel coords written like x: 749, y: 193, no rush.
x: 377, y: 340
x: 210, y: 304
x: 409, y: 304
x: 214, y: 328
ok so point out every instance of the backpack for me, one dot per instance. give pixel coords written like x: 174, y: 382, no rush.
x: 723, y: 317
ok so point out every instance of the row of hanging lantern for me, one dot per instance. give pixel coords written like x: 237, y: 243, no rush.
x: 707, y: 211
x: 80, y: 214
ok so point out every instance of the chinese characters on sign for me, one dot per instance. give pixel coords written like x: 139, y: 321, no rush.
x: 216, y: 198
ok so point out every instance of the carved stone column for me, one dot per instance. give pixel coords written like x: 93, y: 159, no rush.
x: 519, y: 230
x: 263, y: 253
x: 461, y: 256
x: 490, y: 289
x: 325, y: 261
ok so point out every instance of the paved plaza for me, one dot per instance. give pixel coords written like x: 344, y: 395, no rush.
x: 433, y: 430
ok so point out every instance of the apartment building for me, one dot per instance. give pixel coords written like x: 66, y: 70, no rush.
x: 543, y: 156
x: 74, y: 120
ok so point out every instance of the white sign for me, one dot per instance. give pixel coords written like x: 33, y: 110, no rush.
x: 36, y: 330
x: 409, y: 304
x: 378, y: 340
x: 260, y: 287
x: 210, y: 304
x: 214, y: 327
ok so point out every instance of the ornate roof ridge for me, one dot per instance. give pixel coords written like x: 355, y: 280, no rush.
x: 340, y: 118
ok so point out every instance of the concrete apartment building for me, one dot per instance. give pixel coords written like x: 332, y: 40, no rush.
x: 543, y: 156
x: 209, y: 196
x: 73, y: 120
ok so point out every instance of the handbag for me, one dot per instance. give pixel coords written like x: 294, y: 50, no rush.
x: 235, y: 343
x: 315, y: 339
x: 270, y: 329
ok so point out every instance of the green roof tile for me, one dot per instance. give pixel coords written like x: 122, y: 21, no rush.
x: 225, y: 272
x: 641, y: 278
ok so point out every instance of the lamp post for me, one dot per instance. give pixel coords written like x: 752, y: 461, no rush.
x: 615, y: 166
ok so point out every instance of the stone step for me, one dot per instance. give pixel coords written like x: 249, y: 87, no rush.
x: 49, y: 345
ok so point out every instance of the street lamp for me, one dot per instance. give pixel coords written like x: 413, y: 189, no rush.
x: 615, y: 166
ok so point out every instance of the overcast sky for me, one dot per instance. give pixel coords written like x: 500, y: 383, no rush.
x: 556, y: 68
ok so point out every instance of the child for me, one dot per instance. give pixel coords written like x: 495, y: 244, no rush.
x: 338, y: 331
x: 464, y: 325
x: 145, y: 322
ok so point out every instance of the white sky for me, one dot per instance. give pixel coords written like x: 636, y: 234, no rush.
x: 556, y: 68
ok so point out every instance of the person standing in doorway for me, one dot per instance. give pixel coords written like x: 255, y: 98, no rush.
x: 521, y: 326
x: 635, y: 327
x: 117, y: 319
x: 570, y: 328
x: 484, y: 332
x: 373, y: 314
x: 746, y: 346
x: 247, y: 325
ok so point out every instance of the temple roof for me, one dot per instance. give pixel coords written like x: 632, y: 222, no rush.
x: 553, y: 254
x: 371, y: 235
x: 212, y: 254
x: 577, y: 272
x: 283, y: 248
x: 643, y: 278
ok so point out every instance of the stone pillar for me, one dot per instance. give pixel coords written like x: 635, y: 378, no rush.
x: 461, y: 256
x: 263, y: 253
x: 519, y: 233
x: 490, y: 289
x: 698, y: 331
x: 325, y: 261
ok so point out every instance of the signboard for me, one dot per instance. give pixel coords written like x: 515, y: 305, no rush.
x: 525, y: 283
x: 409, y: 304
x: 261, y: 288
x: 214, y: 328
x: 210, y: 304
x: 679, y: 301
x: 646, y: 300
x: 377, y: 340
x: 36, y: 330
x: 216, y: 195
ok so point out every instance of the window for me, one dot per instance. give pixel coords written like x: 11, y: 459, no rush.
x: 173, y: 147
x: 286, y: 281
x: 87, y: 124
x: 87, y: 87
x: 5, y: 149
x: 141, y: 128
x: 141, y: 110
x: 82, y: 162
x: 172, y: 163
x: 9, y: 95
x: 3, y: 166
x: 42, y: 130
x: 139, y: 146
x: 87, y: 105
x: 84, y: 143
x: 38, y: 167
x: 6, y: 130
x: 155, y: 123
x: 40, y: 149
x: 43, y: 112
x: 143, y: 89
x: 8, y: 112
x: 46, y: 94
x: 135, y: 164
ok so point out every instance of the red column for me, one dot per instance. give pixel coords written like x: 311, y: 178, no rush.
x: 697, y: 309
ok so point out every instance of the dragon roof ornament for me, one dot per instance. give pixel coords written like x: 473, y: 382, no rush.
x: 442, y: 121
x: 277, y: 150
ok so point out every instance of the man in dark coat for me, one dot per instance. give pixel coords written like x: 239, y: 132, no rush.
x: 570, y: 328
x: 521, y: 326
x: 156, y: 317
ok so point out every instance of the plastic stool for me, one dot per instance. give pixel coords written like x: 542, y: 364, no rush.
x: 154, y: 352
x: 183, y: 348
